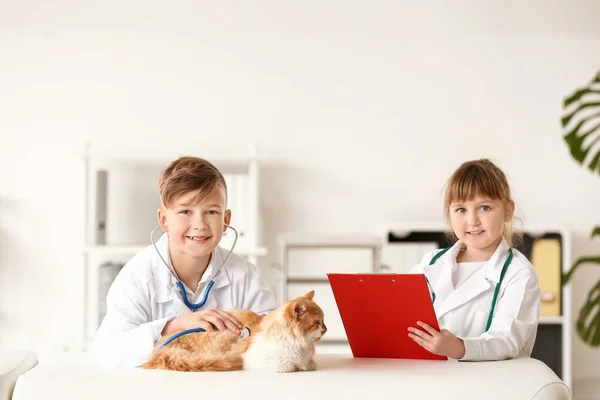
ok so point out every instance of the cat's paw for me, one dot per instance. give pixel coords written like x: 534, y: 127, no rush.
x: 272, y: 365
x: 310, y: 366
x: 285, y: 366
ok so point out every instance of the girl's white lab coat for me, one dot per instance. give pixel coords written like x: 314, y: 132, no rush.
x: 464, y: 311
x: 144, y: 297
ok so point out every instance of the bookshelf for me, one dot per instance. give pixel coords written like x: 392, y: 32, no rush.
x: 121, y: 201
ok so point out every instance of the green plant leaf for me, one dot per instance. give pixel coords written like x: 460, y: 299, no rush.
x: 588, y: 321
x: 580, y: 261
x: 579, y: 93
x: 594, y: 163
x: 567, y: 118
x: 575, y: 137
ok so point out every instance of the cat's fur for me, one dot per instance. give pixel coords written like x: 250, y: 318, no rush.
x: 282, y: 341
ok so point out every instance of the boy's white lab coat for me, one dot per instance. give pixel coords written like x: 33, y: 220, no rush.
x: 464, y: 311
x: 145, y: 296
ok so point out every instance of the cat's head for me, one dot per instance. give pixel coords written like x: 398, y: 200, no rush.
x: 300, y: 318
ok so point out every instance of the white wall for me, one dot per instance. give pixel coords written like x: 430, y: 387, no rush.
x: 361, y: 110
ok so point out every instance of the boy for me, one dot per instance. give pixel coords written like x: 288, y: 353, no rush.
x: 145, y: 300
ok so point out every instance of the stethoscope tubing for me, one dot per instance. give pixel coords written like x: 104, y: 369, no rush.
x: 211, y: 281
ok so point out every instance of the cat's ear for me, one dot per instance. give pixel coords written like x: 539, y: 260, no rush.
x: 300, y: 308
x: 309, y: 295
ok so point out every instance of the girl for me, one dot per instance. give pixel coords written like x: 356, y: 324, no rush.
x: 485, y: 294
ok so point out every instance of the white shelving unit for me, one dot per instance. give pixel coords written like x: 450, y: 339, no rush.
x: 122, y: 198
x: 399, y: 257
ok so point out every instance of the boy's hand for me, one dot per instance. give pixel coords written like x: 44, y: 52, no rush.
x: 442, y: 343
x: 207, y: 319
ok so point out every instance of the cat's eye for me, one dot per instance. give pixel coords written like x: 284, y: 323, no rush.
x: 318, y: 323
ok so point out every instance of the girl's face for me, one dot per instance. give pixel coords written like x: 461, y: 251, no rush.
x: 478, y: 223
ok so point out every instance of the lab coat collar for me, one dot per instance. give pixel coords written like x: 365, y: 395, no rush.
x: 478, y: 283
x: 166, y: 282
x: 496, y: 262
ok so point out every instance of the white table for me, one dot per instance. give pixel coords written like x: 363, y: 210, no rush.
x: 338, y: 377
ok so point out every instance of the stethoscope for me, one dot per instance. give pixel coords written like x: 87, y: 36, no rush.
x: 496, y: 290
x: 193, y: 307
x: 211, y: 281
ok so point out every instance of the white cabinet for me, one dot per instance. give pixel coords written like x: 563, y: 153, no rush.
x: 305, y: 260
x: 122, y: 199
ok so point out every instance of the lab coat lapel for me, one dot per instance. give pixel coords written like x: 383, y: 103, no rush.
x: 164, y: 280
x: 472, y: 287
x: 218, y: 255
x: 479, y: 282
x: 494, y: 266
x: 443, y: 269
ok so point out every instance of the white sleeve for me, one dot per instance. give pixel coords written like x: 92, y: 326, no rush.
x: 515, y: 320
x: 258, y: 297
x: 126, y: 336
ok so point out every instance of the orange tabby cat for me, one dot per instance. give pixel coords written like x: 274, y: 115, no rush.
x: 282, y: 341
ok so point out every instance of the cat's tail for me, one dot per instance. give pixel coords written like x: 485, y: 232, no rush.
x: 178, y: 359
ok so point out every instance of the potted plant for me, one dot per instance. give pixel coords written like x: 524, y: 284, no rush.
x: 581, y: 124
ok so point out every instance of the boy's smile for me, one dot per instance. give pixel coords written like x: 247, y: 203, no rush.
x: 199, y: 239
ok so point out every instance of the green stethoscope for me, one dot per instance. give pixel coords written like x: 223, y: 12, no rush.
x: 504, y: 268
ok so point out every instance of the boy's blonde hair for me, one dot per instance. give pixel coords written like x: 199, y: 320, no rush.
x: 187, y: 174
x: 479, y: 177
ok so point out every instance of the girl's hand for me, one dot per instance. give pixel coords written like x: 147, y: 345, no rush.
x: 442, y: 342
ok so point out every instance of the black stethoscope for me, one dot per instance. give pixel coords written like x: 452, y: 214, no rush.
x: 496, y: 291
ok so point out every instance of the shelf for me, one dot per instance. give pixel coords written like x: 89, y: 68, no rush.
x: 329, y: 241
x: 333, y: 341
x: 227, y: 160
x: 133, y: 249
x: 308, y: 280
x: 546, y: 320
x: 121, y: 197
x: 114, y: 249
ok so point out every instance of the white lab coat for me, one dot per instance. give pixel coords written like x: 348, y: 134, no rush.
x: 145, y: 296
x: 464, y: 311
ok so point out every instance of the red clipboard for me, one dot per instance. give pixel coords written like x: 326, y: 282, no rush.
x: 377, y: 309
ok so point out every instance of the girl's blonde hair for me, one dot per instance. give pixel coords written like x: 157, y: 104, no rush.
x: 479, y: 177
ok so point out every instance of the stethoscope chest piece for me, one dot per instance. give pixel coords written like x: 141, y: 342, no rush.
x: 245, y: 333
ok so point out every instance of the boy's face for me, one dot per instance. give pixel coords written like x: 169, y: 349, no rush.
x: 196, y: 230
